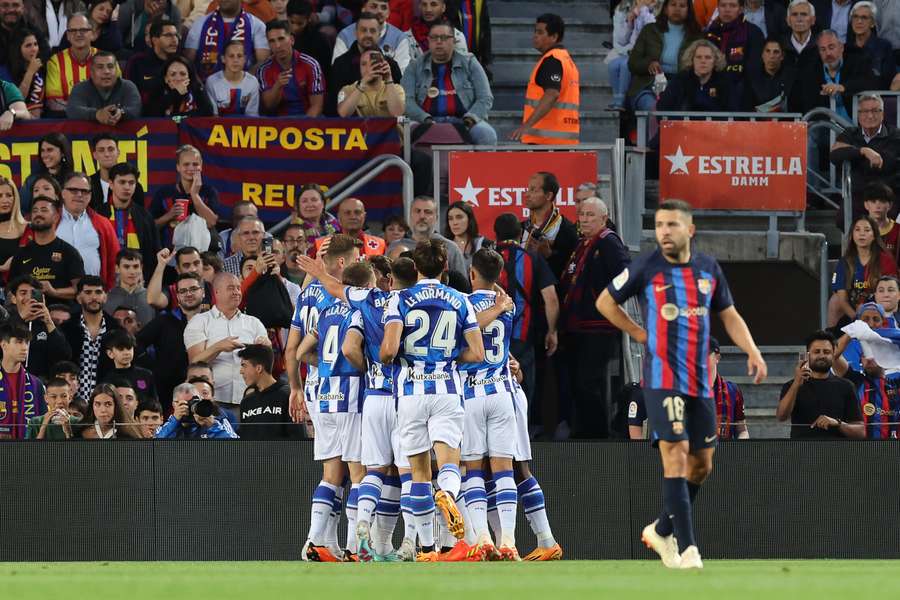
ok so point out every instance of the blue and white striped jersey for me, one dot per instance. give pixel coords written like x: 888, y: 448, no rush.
x: 312, y: 302
x: 340, y: 383
x: 370, y: 305
x: 435, y: 319
x: 491, y: 376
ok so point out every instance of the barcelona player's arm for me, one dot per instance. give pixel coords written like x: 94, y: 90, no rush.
x: 740, y: 334
x: 613, y: 312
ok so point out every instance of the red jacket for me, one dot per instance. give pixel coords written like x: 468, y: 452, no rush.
x: 109, y: 247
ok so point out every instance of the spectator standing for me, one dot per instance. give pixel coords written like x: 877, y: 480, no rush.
x: 819, y: 404
x: 462, y: 228
x: 530, y: 283
x: 392, y: 41
x: 145, y: 69
x: 770, y: 16
x: 550, y: 115
x: 187, y: 260
x: 307, y: 37
x: 53, y: 262
x: 206, y: 40
x: 251, y: 232
x: 546, y: 231
x: 590, y: 340
x: 878, y: 201
x: 173, y: 204
x: 352, y: 218
x: 180, y: 94
x: 739, y: 40
x: 91, y: 234
x: 290, y: 83
x: 163, y: 337
x: 864, y: 262
x: 133, y: 225
x: 430, y: 13
x: 12, y: 223
x: 29, y: 311
x: 26, y: 70
x: 51, y: 20
x: 702, y: 85
x: 216, y: 335
x: 863, y: 37
x: 800, y: 47
x: 104, y: 97
x: 629, y: 18
x: 872, y: 148
x: 21, y: 393
x: 105, y: 151
x: 56, y: 423
x: 473, y: 18
x: 68, y: 67
x: 265, y: 411
x: 834, y: 15
x: 130, y: 291
x: 54, y: 159
x: 445, y: 86
x: 768, y: 89
x: 310, y: 213
x: 191, y: 11
x: 729, y: 399
x: 86, y: 333
x: 233, y: 91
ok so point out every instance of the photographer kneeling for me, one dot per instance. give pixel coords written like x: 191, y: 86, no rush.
x: 194, y: 417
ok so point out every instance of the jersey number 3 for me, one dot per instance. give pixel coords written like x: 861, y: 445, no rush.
x: 443, y: 337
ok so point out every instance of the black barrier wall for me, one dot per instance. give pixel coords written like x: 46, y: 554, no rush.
x: 241, y: 500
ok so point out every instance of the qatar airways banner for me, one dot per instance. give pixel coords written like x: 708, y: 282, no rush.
x: 496, y: 182
x: 720, y: 165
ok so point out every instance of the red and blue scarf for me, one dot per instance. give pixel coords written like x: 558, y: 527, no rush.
x: 216, y: 34
x: 19, y: 402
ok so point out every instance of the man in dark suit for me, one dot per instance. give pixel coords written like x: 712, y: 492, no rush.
x: 799, y: 43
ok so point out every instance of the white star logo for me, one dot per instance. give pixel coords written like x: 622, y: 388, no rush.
x: 679, y: 162
x: 469, y: 193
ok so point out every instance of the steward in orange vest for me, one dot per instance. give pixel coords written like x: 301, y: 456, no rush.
x: 551, y: 99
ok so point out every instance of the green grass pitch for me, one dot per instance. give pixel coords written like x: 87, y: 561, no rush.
x: 566, y: 580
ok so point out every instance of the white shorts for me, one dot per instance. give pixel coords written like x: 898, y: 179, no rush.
x: 490, y: 427
x: 523, y: 441
x: 380, y: 439
x: 338, y: 435
x: 424, y: 420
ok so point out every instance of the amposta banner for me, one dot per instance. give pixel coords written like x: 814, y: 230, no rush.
x: 497, y: 182
x: 731, y: 165
x: 265, y: 161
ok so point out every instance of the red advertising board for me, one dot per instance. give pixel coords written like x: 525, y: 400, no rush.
x: 734, y: 165
x: 496, y: 182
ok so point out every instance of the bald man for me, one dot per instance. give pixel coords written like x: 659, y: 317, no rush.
x: 216, y: 336
x: 351, y: 215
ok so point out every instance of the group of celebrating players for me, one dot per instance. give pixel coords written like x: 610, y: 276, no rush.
x: 404, y: 373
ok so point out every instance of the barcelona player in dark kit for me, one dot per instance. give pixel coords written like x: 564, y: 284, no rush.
x: 677, y: 290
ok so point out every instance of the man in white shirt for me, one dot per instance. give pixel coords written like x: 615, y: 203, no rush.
x: 216, y: 335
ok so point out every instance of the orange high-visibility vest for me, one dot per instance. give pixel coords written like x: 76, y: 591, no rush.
x: 560, y: 125
x: 372, y: 244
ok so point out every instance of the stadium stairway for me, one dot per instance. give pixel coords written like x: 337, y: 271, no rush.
x: 587, y: 26
x: 761, y: 400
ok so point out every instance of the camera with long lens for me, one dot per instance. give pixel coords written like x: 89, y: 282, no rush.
x: 200, y: 407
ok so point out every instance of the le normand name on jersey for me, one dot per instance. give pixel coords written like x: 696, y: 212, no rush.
x: 749, y: 170
x: 431, y: 293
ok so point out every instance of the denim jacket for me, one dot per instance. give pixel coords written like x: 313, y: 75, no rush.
x: 469, y: 79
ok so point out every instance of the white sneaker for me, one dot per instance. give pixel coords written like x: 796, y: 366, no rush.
x: 690, y: 559
x: 303, y: 555
x: 407, y: 550
x: 664, y: 546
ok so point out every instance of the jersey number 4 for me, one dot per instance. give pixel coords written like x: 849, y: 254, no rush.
x: 330, y: 345
x: 443, y: 337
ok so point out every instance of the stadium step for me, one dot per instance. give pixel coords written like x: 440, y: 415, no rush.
x: 515, y: 65
x: 569, y: 11
x: 511, y: 96
x: 599, y: 127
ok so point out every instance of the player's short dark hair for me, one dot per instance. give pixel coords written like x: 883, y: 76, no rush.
x: 381, y: 264
x: 877, y: 190
x: 430, y: 257
x: 279, y: 24
x: 675, y: 204
x: 554, y: 25
x: 118, y: 339
x: 358, y: 274
x: 89, y: 281
x: 549, y: 182
x: 128, y: 254
x: 404, y: 271
x: 64, y: 367
x: 103, y: 135
x: 149, y: 405
x: 341, y: 246
x: 488, y: 264
x: 302, y: 8
x: 13, y: 286
x: 258, y: 354
x: 507, y: 227
x: 158, y: 24
x: 17, y: 331
x: 820, y: 335
x: 57, y: 382
x: 122, y: 169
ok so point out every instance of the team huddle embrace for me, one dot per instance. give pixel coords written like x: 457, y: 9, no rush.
x: 414, y: 397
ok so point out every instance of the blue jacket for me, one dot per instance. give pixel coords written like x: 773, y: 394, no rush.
x: 469, y: 79
x: 173, y: 429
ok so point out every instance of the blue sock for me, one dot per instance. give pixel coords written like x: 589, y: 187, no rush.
x: 532, y: 498
x: 664, y: 523
x: 678, y: 502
